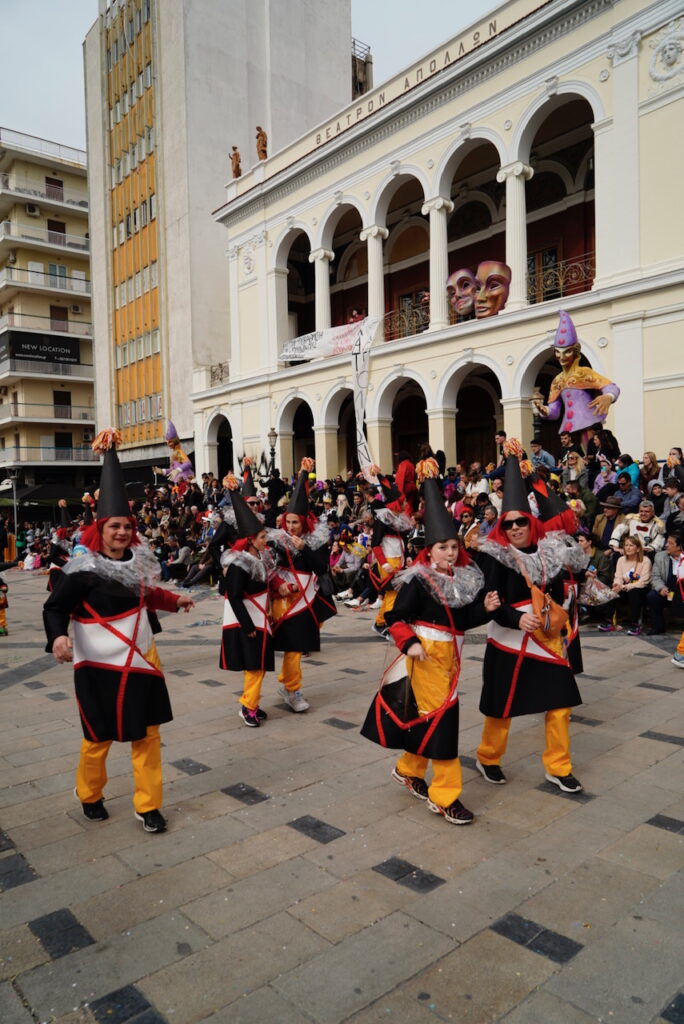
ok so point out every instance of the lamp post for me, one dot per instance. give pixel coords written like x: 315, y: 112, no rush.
x: 13, y: 474
x: 536, y: 400
x: 272, y: 439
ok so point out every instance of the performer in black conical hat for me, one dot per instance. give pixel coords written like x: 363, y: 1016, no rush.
x: 391, y: 526
x: 108, y: 594
x: 526, y: 669
x: 299, y: 607
x: 416, y: 708
x: 246, y: 640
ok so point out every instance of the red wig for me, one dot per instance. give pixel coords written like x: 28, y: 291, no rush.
x: 566, y: 521
x: 462, y: 559
x: 62, y: 533
x: 499, y: 535
x: 308, y: 522
x: 243, y: 543
x: 91, y: 536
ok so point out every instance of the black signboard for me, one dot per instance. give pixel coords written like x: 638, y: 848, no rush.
x: 45, y: 348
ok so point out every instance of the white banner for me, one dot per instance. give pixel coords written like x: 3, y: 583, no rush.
x: 333, y: 341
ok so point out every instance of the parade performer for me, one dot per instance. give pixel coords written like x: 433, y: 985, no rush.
x: 391, y: 524
x: 108, y: 594
x: 417, y: 708
x: 59, y: 549
x: 180, y: 472
x: 246, y: 638
x: 583, y: 395
x: 526, y: 670
x: 4, y: 603
x: 298, y: 607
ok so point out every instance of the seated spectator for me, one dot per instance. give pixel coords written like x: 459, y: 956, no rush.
x: 488, y: 520
x: 599, y: 563
x: 476, y: 484
x: 567, y: 445
x: 650, y: 470
x: 673, y: 467
x: 657, y: 496
x: 626, y: 464
x: 496, y: 495
x: 631, y: 582
x: 605, y: 483
x: 605, y: 524
x: 345, y: 565
x: 628, y: 493
x: 645, y: 525
x: 175, y: 567
x: 672, y: 493
x: 574, y: 491
x: 574, y: 469
x: 540, y: 457
x: 667, y: 584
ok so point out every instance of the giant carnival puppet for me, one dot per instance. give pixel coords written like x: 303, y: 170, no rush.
x: 108, y: 596
x: 180, y: 472
x: 579, y: 396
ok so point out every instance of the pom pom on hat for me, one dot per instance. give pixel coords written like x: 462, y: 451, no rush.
x: 231, y: 482
x: 307, y: 465
x: 427, y: 469
x: 512, y: 446
x: 106, y: 440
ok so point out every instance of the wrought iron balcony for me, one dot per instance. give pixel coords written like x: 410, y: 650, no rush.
x: 558, y: 278
x: 31, y: 189
x: 26, y: 367
x: 9, y: 231
x: 39, y: 454
x: 45, y: 411
x: 36, y: 278
x: 46, y: 324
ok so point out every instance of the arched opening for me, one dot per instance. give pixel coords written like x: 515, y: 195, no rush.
x: 349, y: 291
x: 479, y: 415
x: 409, y: 419
x: 347, y: 439
x: 560, y: 201
x: 301, y: 289
x: 303, y: 444
x: 220, y: 443
x: 476, y: 230
x: 407, y: 261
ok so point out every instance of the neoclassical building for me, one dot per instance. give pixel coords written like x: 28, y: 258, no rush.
x: 549, y: 136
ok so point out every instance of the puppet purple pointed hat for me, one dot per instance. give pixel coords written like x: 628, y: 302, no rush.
x: 566, y: 335
x: 171, y: 432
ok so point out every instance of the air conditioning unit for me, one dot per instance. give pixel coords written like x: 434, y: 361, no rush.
x: 76, y: 309
x: 88, y: 435
x: 32, y: 210
x: 11, y: 258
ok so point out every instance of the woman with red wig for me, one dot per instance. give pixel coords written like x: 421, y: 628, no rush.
x: 391, y: 525
x: 298, y: 607
x: 108, y: 594
x: 526, y: 669
x: 246, y: 640
x: 416, y: 709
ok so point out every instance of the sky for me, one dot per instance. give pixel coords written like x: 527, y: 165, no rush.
x: 52, y: 62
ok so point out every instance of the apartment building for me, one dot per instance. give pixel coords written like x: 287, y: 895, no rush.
x: 170, y: 88
x: 47, y: 416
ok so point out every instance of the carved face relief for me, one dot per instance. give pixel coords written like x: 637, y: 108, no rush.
x: 461, y: 290
x: 493, y: 285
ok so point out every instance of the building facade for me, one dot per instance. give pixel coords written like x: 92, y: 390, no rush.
x: 547, y: 136
x: 171, y: 87
x: 47, y: 414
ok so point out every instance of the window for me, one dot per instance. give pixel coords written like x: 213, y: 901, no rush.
x: 148, y: 347
x: 133, y: 416
x: 124, y: 354
x: 122, y: 44
x: 122, y: 234
x: 141, y: 148
x: 143, y: 213
x: 131, y: 32
x: 148, y: 75
x: 117, y: 112
x: 114, y: 237
x: 154, y: 276
x: 140, y: 84
x: 109, y: 60
x: 118, y: 357
x: 131, y: 95
x: 128, y: 225
x: 134, y: 157
x: 138, y: 20
x: 138, y: 293
x: 124, y: 102
x: 142, y: 403
x: 129, y: 289
x: 146, y: 281
x: 153, y: 206
x: 113, y: 170
x: 156, y: 341
x: 136, y: 223
x: 149, y: 135
x: 126, y: 164
x: 140, y: 348
x: 146, y: 10
x: 115, y: 51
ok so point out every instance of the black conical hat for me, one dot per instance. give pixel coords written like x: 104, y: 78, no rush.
x: 113, y: 500
x: 248, y: 488
x: 298, y: 504
x: 64, y: 517
x: 390, y: 490
x: 515, y: 492
x: 87, y: 514
x: 246, y: 522
x: 549, y: 503
x: 438, y: 522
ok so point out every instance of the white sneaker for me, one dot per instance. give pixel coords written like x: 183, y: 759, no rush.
x: 294, y: 699
x: 376, y: 604
x: 353, y: 603
x: 344, y: 595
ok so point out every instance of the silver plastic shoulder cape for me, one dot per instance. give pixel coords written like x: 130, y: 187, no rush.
x: 456, y: 591
x: 229, y: 516
x: 314, y: 540
x: 554, y: 553
x: 141, y: 564
x: 257, y: 568
x: 398, y: 521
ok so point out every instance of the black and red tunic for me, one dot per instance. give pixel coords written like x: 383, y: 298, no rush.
x: 297, y: 620
x: 245, y: 611
x: 119, y: 689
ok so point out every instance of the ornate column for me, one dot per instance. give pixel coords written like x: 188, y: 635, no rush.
x: 327, y: 454
x: 442, y: 432
x: 439, y: 209
x: 517, y: 419
x: 321, y: 259
x: 379, y: 434
x: 515, y: 175
x: 374, y: 236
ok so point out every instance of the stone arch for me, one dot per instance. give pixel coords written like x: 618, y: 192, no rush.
x: 329, y: 412
x: 333, y: 215
x: 285, y: 414
x: 220, y: 440
x: 401, y: 228
x: 284, y: 242
x: 477, y: 197
x: 383, y: 396
x: 536, y: 357
x: 539, y: 109
x: 458, y: 371
x: 348, y: 255
x: 454, y: 155
x: 389, y: 185
x: 557, y: 168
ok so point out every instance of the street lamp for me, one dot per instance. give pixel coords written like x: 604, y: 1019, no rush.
x: 272, y: 439
x: 13, y: 474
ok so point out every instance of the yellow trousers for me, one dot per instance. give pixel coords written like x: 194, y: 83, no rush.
x: 446, y: 782
x: 291, y: 672
x: 556, y: 757
x: 3, y: 619
x: 91, y: 774
x: 251, y: 689
x: 680, y: 645
x: 390, y: 595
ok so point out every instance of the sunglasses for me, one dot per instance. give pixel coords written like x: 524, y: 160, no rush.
x: 466, y: 515
x: 508, y: 524
x: 254, y: 503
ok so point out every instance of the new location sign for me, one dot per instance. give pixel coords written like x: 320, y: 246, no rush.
x: 44, y: 348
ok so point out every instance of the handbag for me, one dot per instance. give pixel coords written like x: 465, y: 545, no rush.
x: 553, y: 617
x: 593, y: 592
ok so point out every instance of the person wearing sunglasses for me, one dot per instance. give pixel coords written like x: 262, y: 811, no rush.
x: 525, y: 670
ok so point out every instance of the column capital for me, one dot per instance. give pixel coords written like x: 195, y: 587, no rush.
x: 321, y: 254
x: 437, y: 203
x: 373, y: 231
x: 622, y: 49
x: 517, y: 169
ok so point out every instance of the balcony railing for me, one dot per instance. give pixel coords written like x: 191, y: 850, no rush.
x: 19, y: 140
x: 19, y: 275
x: 561, y: 278
x: 407, y: 321
x: 47, y: 324
x: 23, y: 367
x: 9, y: 231
x: 34, y: 190
x: 39, y: 453
x: 45, y: 411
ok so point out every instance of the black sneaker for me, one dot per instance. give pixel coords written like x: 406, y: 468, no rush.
x: 568, y: 783
x: 153, y: 821
x: 416, y: 787
x: 261, y: 715
x: 94, y: 811
x: 491, y: 773
x: 455, y: 814
x: 381, y: 631
x: 249, y: 717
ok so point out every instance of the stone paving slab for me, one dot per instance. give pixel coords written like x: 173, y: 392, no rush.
x: 234, y: 916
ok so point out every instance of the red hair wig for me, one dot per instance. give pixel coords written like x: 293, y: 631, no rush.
x: 308, y: 522
x: 499, y: 535
x: 243, y: 543
x: 91, y: 537
x: 566, y: 521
